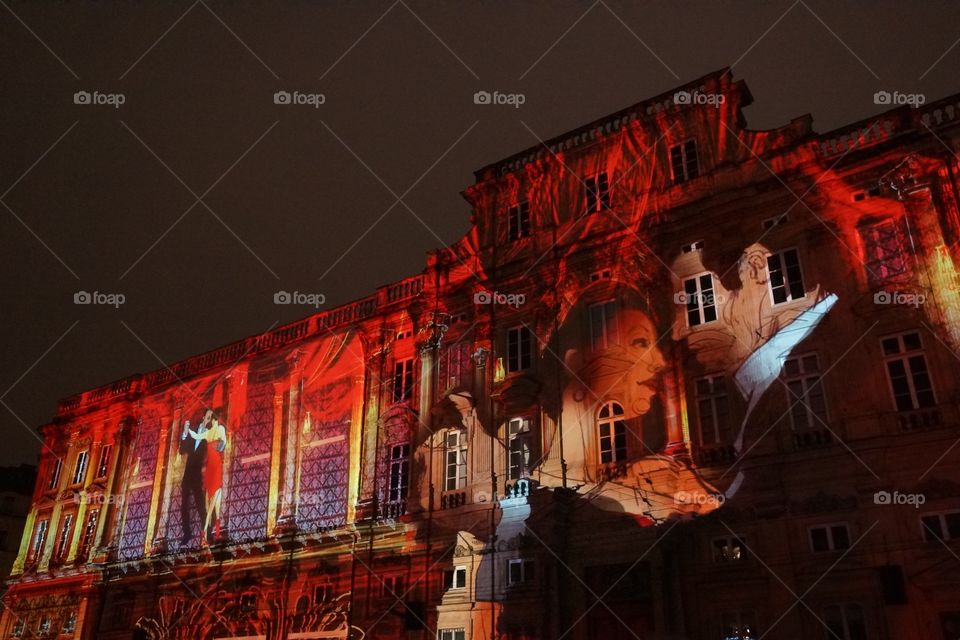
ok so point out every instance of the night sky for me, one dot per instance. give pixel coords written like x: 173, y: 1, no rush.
x: 293, y: 197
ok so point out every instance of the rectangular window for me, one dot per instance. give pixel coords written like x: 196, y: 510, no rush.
x: 80, y: 470
x: 55, y: 472
x: 596, y: 193
x: 907, y: 372
x: 519, y: 349
x: 455, y: 578
x: 801, y: 374
x: 89, y: 532
x: 885, y: 252
x: 103, y: 466
x: 612, y: 429
x: 452, y: 634
x: 940, y: 526
x: 520, y: 570
x: 738, y: 625
x: 518, y: 221
x: 845, y: 621
x: 699, y: 299
x: 603, y: 325
x: 40, y: 538
x: 63, y: 542
x: 392, y: 586
x: 518, y: 435
x: 403, y: 380
x: 399, y: 472
x: 713, y: 410
x: 784, y: 276
x: 683, y: 161
x: 456, y: 461
x: 729, y: 548
x: 830, y: 537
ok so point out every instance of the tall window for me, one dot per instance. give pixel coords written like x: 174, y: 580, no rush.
x: 40, y: 538
x: 89, y: 532
x: 455, y: 476
x: 845, y: 621
x: 520, y: 570
x: 518, y: 221
x: 518, y: 449
x: 55, y: 472
x: 519, y: 349
x: 907, y: 372
x: 613, y: 433
x: 63, y: 542
x: 597, y: 193
x: 80, y: 470
x: 805, y: 392
x: 940, y: 526
x: 784, y: 276
x: 699, y: 299
x: 403, y: 380
x: 713, y: 410
x: 399, y: 472
x: 829, y: 537
x: 103, y: 466
x: 885, y: 251
x: 683, y: 161
x: 603, y: 325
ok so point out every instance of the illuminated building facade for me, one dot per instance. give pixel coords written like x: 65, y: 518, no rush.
x: 678, y: 375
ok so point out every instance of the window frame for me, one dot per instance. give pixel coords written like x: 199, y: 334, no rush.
x: 787, y: 283
x: 398, y: 478
x: 699, y: 300
x: 81, y: 467
x: 904, y: 355
x: 712, y: 396
x: 608, y: 318
x: 729, y: 538
x: 519, y: 224
x: 942, y: 522
x: 842, y: 607
x: 527, y: 571
x: 56, y: 474
x: 518, y: 444
x: 403, y: 380
x: 516, y: 352
x: 617, y: 424
x: 684, y: 161
x: 459, y: 479
x: 103, y: 464
x: 831, y: 542
x: 596, y: 193
x: 450, y: 578
x: 452, y: 633
x: 800, y: 401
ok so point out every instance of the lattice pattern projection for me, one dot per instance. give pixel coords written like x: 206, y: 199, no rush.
x: 143, y: 464
x: 246, y: 503
x: 396, y: 431
x: 323, y: 475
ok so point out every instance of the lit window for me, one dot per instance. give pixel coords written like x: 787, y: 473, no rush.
x: 80, y: 470
x: 18, y: 628
x: 683, y: 161
x: 518, y: 221
x: 40, y: 538
x: 452, y: 634
x: 738, y: 625
x: 45, y: 625
x: 456, y: 461
x: 455, y: 578
x: 801, y: 374
x: 785, y: 278
x: 603, y: 325
x: 518, y: 435
x: 89, y: 532
x: 55, y: 472
x: 519, y: 349
x: 941, y: 526
x: 596, y: 193
x: 830, y: 537
x: 907, y: 372
x: 884, y: 250
x: 728, y: 548
x: 613, y: 433
x: 699, y: 298
x: 69, y: 623
x: 520, y: 570
x: 399, y: 472
x: 403, y: 380
x: 103, y: 466
x: 63, y: 543
x: 845, y: 621
x: 713, y: 410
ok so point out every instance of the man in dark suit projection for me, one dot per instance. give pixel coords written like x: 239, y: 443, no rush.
x: 192, y: 486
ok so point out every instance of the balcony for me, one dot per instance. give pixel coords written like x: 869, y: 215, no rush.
x: 453, y: 499
x: 920, y: 419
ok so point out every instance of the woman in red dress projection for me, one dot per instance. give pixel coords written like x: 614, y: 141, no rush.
x: 216, y: 437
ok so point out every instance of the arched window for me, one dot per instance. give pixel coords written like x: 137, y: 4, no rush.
x: 613, y: 433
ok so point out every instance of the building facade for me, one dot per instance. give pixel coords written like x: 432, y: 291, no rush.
x: 681, y: 379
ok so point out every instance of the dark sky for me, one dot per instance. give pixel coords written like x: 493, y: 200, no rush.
x: 198, y: 82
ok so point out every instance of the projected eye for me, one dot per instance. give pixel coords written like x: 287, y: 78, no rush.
x: 641, y: 342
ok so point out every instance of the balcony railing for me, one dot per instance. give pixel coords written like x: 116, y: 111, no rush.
x: 453, y: 499
x: 918, y: 419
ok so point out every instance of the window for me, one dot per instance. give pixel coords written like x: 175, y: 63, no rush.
x: 518, y: 221
x: 88, y: 532
x: 518, y: 448
x: 784, y: 276
x: 18, y: 628
x: 613, y: 433
x: 713, y: 410
x: 907, y: 372
x: 683, y: 161
x: 941, y: 526
x: 392, y: 586
x: 80, y: 470
x: 519, y: 349
x: 845, y: 621
x: 830, y: 537
x: 69, y: 623
x: 452, y: 634
x: 403, y: 380
x: 728, y: 548
x: 696, y: 245
x: 520, y: 570
x: 776, y: 221
x: 248, y: 602
x: 700, y: 300
x: 455, y: 578
x: 885, y: 252
x: 40, y: 538
x: 801, y: 374
x: 738, y: 625
x: 456, y: 461
x: 44, y: 626
x: 63, y: 542
x: 103, y: 466
x: 399, y: 472
x: 596, y: 193
x: 321, y: 593
x: 603, y: 325
x: 55, y: 472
